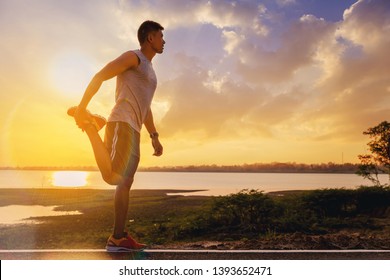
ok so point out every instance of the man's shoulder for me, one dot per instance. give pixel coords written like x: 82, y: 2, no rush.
x: 131, y: 56
x: 130, y: 53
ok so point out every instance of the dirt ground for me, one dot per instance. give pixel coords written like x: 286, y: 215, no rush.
x: 336, y: 241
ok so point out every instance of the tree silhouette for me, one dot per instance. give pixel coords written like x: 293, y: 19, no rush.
x: 378, y: 161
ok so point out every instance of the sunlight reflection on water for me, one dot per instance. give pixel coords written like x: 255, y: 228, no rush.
x: 18, y: 214
x: 70, y: 178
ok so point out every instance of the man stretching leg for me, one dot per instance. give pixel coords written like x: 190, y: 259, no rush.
x: 118, y: 155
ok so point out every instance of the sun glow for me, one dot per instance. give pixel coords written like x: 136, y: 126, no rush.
x: 70, y: 178
x: 70, y: 72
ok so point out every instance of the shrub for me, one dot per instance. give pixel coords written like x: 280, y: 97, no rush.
x: 251, y: 213
x: 372, y: 201
x: 247, y: 211
x: 330, y: 202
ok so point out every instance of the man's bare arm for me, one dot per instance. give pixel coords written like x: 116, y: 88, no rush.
x: 149, y: 124
x: 122, y: 63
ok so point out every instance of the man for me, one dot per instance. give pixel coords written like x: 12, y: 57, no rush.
x: 118, y: 156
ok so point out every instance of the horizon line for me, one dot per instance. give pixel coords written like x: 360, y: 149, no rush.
x: 190, y: 166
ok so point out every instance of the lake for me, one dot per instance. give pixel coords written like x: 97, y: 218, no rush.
x: 207, y: 183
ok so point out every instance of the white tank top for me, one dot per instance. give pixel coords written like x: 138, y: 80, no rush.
x: 134, y: 93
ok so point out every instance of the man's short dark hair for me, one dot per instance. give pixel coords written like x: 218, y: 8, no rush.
x: 145, y: 28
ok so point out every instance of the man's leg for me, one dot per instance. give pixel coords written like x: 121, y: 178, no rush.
x: 102, y: 156
x: 121, y: 204
x: 120, y: 239
x: 123, y: 190
x: 123, y: 145
x: 101, y: 153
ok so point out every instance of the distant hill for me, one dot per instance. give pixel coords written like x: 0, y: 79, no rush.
x: 274, y: 167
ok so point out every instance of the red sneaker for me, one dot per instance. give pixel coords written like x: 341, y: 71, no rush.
x: 98, y: 121
x: 126, y: 243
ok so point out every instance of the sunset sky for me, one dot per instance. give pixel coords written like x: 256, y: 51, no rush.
x: 238, y: 82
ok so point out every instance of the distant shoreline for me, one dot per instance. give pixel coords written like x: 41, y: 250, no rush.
x: 275, y: 167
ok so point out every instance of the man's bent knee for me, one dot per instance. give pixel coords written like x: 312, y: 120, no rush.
x: 113, y: 179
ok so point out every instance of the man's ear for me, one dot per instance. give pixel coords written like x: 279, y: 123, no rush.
x: 150, y: 38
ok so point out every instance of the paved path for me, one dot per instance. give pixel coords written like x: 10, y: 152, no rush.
x: 167, y: 254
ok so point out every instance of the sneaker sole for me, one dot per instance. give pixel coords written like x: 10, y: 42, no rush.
x: 100, y: 121
x: 114, y: 249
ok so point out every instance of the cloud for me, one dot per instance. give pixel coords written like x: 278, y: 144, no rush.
x: 356, y: 95
x: 178, y: 14
x: 366, y: 23
x: 284, y: 3
x: 232, y: 40
x: 297, y: 49
x: 315, y: 83
x: 225, y: 14
x: 195, y: 106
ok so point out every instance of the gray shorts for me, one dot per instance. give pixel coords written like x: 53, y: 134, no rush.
x: 123, y: 144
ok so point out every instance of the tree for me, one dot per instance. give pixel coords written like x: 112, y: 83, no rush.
x: 378, y: 162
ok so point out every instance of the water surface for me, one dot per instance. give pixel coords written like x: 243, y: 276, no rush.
x: 18, y: 214
x: 213, y: 183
